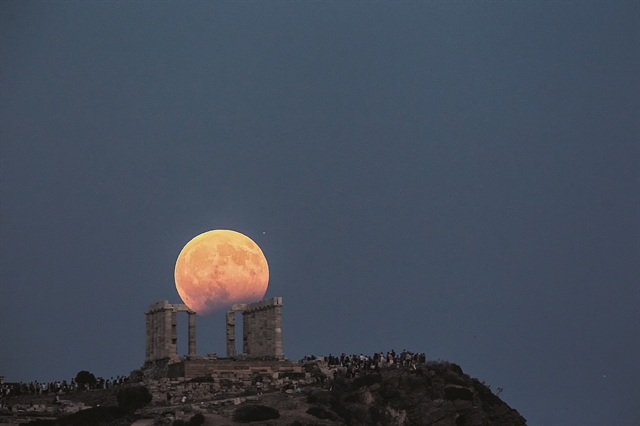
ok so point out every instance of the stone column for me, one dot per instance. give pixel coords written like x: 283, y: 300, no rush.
x: 192, y: 333
x: 172, y: 334
x: 156, y: 336
x: 148, y: 350
x: 277, y: 329
x: 166, y: 333
x: 246, y: 333
x: 231, y: 333
x: 159, y: 334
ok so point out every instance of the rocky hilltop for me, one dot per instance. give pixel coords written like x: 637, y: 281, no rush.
x: 431, y: 393
x: 437, y: 394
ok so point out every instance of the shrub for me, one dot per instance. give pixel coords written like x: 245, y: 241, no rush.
x: 321, y: 397
x: 366, y: 380
x: 321, y: 413
x: 132, y: 398
x: 178, y: 422
x: 84, y: 377
x: 252, y: 413
x: 196, y: 420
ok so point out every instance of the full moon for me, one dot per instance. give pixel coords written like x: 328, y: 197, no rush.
x: 219, y: 268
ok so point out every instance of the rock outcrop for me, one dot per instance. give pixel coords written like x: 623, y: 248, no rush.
x: 437, y: 394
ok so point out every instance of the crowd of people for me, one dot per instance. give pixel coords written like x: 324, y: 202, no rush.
x: 8, y: 390
x: 403, y: 359
x: 350, y: 364
x: 353, y: 364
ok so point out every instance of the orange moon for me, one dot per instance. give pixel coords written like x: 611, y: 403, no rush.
x: 219, y: 268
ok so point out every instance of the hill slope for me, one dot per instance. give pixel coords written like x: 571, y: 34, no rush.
x: 434, y: 394
x: 437, y: 394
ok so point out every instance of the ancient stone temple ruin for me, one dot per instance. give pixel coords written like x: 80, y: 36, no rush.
x: 261, y: 343
x: 162, y: 333
x: 261, y: 329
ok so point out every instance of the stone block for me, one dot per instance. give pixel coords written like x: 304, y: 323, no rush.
x: 239, y: 307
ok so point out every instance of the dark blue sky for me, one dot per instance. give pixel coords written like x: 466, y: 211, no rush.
x: 455, y: 178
